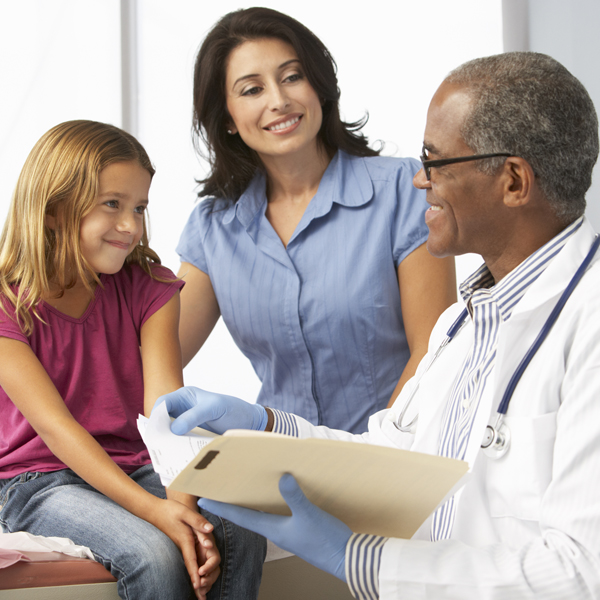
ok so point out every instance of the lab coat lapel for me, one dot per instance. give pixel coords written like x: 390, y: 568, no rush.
x: 528, y: 318
x: 515, y: 337
x: 434, y: 389
x: 520, y: 331
x: 434, y: 395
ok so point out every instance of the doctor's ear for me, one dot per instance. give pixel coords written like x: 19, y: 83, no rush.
x: 518, y: 183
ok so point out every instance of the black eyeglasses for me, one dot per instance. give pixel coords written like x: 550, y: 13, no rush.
x: 427, y: 164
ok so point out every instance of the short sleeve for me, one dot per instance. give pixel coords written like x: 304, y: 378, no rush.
x: 410, y: 230
x: 191, y: 242
x: 148, y: 294
x: 8, y: 324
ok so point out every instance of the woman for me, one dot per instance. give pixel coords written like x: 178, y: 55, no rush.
x: 309, y: 244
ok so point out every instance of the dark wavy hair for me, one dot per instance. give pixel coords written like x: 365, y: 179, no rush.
x: 233, y: 164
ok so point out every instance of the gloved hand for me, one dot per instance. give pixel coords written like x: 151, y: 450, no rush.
x: 310, y: 533
x: 194, y: 407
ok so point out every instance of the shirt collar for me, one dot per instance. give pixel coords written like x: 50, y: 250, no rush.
x: 346, y: 181
x: 251, y: 203
x: 511, y: 288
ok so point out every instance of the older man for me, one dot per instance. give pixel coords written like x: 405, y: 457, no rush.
x: 509, y: 147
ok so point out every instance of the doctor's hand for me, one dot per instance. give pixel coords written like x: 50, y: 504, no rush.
x: 194, y: 407
x: 310, y: 533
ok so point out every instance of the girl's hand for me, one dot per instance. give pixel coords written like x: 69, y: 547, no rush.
x: 209, y: 560
x: 191, y: 532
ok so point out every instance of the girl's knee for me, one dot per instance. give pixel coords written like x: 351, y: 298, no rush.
x: 153, y: 568
x: 159, y: 553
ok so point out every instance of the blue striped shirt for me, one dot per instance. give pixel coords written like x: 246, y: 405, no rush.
x: 319, y: 318
x: 488, y: 306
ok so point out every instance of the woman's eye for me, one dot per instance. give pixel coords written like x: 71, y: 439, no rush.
x: 251, y: 91
x: 294, y: 77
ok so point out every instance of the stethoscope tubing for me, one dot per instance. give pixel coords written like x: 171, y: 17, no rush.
x: 550, y: 321
x: 514, y: 380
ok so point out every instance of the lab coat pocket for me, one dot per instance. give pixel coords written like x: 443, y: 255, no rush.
x: 517, y: 481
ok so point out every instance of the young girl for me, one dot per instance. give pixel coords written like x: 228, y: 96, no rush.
x: 88, y: 339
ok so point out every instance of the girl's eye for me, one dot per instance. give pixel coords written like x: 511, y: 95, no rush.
x: 112, y: 203
x: 140, y: 209
x: 251, y: 91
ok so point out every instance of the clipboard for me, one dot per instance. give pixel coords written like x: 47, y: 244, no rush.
x: 372, y: 489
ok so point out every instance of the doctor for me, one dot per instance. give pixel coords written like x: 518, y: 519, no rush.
x: 527, y: 523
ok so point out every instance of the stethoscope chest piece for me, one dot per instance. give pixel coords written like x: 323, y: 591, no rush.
x: 496, y: 440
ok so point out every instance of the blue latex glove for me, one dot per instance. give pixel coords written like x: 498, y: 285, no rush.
x: 194, y: 407
x: 310, y: 533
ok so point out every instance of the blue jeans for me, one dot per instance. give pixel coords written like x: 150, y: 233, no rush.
x: 147, y: 564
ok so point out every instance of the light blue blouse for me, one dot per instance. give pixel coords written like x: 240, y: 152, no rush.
x: 320, y: 320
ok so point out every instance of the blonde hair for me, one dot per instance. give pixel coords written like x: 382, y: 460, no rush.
x: 60, y: 179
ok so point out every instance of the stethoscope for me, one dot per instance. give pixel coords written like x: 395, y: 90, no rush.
x: 496, y: 439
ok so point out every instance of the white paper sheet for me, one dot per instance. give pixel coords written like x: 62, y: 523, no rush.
x: 170, y: 453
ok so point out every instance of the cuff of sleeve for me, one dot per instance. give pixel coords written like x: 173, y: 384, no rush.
x: 284, y: 423
x: 363, y: 557
x: 264, y: 421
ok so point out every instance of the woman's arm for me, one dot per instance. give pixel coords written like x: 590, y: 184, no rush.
x: 161, y: 359
x: 427, y: 288
x: 199, y: 310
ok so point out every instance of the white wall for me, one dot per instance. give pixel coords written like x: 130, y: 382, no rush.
x: 567, y: 30
x: 59, y: 60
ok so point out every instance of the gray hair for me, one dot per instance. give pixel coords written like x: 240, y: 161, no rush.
x: 528, y: 104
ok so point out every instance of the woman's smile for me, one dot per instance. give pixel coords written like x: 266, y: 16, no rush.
x: 284, y: 125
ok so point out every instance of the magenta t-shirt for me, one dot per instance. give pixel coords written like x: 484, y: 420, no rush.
x: 96, y: 366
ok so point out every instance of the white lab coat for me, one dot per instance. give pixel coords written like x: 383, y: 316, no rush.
x: 527, y: 525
